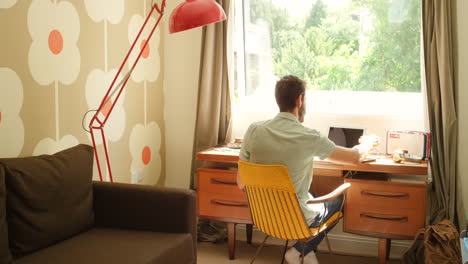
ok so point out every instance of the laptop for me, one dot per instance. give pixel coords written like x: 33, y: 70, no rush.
x: 348, y: 138
x: 345, y: 137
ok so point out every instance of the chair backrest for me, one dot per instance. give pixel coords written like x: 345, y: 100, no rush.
x: 273, y: 201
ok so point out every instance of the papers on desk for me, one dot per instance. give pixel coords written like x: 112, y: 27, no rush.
x: 223, y: 150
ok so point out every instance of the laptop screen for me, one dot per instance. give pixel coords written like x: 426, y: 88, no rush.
x: 345, y: 137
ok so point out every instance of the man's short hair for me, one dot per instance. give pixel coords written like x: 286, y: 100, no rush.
x: 287, y: 90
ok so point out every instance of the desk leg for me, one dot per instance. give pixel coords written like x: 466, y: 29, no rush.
x: 231, y: 228
x: 384, y: 250
x: 388, y: 248
x: 248, y: 231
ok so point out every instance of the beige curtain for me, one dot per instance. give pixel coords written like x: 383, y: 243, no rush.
x: 213, y: 123
x: 446, y: 200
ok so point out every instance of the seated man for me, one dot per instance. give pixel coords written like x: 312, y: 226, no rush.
x: 284, y: 140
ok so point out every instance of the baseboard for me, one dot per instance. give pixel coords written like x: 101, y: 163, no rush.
x: 341, y: 243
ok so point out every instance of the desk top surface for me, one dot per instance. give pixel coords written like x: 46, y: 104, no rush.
x: 382, y: 164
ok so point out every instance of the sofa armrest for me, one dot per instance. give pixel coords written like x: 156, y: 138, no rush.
x: 148, y: 208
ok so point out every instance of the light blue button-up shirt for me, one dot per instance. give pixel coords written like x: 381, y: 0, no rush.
x: 284, y: 140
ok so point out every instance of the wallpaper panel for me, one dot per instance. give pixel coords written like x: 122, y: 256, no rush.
x: 57, y: 60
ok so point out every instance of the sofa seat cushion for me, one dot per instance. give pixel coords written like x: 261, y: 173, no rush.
x: 106, y: 245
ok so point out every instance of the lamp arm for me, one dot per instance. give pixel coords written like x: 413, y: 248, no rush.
x: 96, y: 123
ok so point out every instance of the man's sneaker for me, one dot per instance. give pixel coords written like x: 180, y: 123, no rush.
x: 292, y: 256
x: 311, y: 258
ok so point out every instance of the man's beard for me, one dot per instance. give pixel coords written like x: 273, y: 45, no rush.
x: 302, y: 112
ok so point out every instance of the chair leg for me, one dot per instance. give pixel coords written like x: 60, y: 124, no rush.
x: 328, y: 244
x: 284, y: 253
x: 302, y: 256
x: 259, y: 249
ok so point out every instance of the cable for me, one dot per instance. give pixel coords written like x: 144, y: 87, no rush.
x: 83, y: 119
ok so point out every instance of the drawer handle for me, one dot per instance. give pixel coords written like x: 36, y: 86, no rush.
x: 223, y: 181
x: 393, y: 218
x: 229, y: 203
x: 385, y: 194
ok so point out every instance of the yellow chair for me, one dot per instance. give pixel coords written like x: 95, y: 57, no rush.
x: 275, y: 207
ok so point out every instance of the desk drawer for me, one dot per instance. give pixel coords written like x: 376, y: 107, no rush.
x: 385, y: 195
x: 384, y: 208
x: 219, y: 181
x: 397, y: 222
x: 223, y: 206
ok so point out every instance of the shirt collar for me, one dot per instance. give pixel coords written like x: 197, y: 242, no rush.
x: 287, y: 115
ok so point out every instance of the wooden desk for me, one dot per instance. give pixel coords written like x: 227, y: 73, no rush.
x: 377, y: 205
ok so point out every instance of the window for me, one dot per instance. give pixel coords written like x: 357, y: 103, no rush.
x: 360, y: 57
x: 335, y: 45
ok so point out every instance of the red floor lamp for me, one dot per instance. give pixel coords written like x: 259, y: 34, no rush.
x: 188, y: 15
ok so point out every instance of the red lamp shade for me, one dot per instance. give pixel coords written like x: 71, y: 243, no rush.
x: 195, y: 13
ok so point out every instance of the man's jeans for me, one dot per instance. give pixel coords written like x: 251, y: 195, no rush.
x: 331, y: 208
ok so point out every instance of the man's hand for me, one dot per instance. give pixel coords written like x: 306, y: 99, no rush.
x: 239, y: 182
x: 363, y: 150
x: 367, y: 144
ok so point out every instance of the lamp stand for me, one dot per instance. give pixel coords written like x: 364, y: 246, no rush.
x: 99, y: 119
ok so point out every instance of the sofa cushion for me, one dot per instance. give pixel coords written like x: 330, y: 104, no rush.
x: 5, y: 255
x: 49, y: 198
x: 117, y: 246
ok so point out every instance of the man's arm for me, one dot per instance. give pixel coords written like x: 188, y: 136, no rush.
x: 245, y: 151
x: 345, y: 155
x: 239, y: 182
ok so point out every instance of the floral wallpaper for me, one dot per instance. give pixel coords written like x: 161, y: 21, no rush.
x: 57, y: 60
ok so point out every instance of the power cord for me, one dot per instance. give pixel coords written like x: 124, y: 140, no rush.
x: 83, y: 119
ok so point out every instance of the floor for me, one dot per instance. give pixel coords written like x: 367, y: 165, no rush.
x: 209, y: 253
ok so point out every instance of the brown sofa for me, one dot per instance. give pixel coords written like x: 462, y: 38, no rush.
x: 51, y: 212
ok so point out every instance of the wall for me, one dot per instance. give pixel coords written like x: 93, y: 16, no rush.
x: 57, y: 59
x: 461, y: 64
x: 182, y: 67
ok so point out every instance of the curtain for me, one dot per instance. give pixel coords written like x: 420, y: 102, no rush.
x: 446, y: 199
x: 213, y: 121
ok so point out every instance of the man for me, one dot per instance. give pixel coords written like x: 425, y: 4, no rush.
x: 284, y: 140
